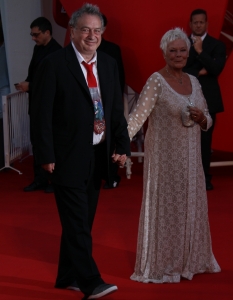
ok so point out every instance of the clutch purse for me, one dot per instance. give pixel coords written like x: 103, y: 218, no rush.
x: 185, y: 117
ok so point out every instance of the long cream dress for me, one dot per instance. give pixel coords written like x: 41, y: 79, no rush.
x: 174, y: 236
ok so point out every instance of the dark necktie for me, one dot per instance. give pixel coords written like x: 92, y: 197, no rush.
x: 99, y: 122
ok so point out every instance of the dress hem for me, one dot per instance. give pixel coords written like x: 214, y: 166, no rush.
x: 170, y: 278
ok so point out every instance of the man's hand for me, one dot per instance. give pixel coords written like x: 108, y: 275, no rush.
x: 49, y: 167
x: 22, y: 86
x: 119, y: 159
x: 197, y: 44
x: 202, y: 72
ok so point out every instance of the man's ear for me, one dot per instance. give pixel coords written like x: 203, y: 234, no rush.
x: 103, y: 30
x: 47, y: 32
x: 71, y: 31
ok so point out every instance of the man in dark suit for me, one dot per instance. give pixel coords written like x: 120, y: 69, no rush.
x: 41, y: 33
x: 73, y: 147
x: 206, y: 61
x: 114, y: 51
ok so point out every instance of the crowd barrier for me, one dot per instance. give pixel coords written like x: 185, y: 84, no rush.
x: 16, y: 128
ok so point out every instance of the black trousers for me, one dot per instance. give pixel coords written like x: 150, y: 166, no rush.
x: 113, y: 168
x: 206, y: 141
x: 77, y: 207
x: 40, y: 175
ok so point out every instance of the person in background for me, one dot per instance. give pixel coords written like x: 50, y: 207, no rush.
x: 41, y: 33
x: 4, y: 79
x: 206, y: 61
x: 174, y: 237
x: 74, y: 145
x: 114, y: 51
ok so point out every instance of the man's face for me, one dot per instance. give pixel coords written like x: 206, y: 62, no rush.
x: 198, y: 25
x: 39, y: 37
x: 86, y: 35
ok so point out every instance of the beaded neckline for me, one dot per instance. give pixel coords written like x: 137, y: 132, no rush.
x: 179, y: 80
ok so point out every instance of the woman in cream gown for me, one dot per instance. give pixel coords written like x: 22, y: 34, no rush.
x: 174, y: 237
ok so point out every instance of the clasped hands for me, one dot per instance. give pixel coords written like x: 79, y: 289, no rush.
x: 119, y: 159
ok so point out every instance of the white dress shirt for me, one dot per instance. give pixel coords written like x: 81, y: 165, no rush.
x: 97, y: 138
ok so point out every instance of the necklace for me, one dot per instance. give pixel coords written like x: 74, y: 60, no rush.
x: 189, y: 101
x: 180, y: 80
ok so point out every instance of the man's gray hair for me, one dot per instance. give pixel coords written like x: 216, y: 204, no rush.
x: 89, y: 9
x: 172, y: 35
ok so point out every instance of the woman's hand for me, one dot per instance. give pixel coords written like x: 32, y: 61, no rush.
x: 198, y: 116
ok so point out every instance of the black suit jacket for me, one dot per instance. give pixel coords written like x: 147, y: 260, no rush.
x: 63, y: 115
x: 114, y: 51
x: 39, y: 53
x: 212, y: 58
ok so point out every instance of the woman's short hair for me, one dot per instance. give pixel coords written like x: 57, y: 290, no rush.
x: 172, y: 35
x: 87, y: 8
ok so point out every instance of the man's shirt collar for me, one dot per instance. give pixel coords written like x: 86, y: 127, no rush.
x: 202, y: 37
x: 80, y: 57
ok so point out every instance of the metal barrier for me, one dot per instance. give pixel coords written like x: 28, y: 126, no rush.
x: 16, y: 128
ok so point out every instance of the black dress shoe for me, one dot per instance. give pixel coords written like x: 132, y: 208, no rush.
x: 209, y: 186
x: 49, y: 189
x: 34, y: 186
x: 115, y: 184
x: 101, y: 290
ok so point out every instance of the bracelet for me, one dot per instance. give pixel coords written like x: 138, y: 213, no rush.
x: 203, y: 120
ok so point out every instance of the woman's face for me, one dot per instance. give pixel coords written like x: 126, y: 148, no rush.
x: 176, y: 54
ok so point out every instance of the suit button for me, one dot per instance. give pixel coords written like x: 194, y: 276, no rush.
x: 91, y: 143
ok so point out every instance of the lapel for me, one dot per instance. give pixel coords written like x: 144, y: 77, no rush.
x: 208, y: 43
x: 75, y: 69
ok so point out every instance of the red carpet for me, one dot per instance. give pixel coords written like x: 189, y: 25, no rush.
x: 30, y: 232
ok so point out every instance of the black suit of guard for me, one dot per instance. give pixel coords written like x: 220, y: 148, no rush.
x: 63, y: 117
x: 39, y: 53
x: 212, y: 58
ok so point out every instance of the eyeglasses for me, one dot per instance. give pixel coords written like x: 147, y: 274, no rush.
x: 35, y: 34
x: 86, y: 30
